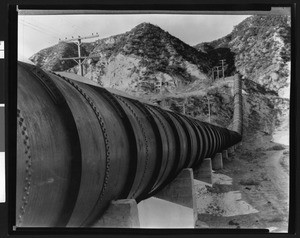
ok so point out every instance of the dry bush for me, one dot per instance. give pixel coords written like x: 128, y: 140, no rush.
x: 277, y: 147
x: 249, y: 181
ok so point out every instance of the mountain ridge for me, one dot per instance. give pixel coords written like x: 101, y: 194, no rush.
x: 144, y: 57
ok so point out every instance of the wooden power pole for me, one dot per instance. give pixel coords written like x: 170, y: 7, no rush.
x: 218, y: 70
x: 223, y: 61
x: 79, y: 58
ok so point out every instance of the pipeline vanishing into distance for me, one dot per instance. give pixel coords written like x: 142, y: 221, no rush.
x: 80, y: 146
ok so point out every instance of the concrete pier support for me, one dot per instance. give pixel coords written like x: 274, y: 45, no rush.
x: 204, y: 172
x: 225, y: 155
x: 238, y: 145
x: 120, y: 214
x: 230, y: 151
x: 173, y: 207
x: 217, y: 161
x: 180, y: 190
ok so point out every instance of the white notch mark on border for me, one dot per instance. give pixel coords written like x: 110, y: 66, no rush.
x: 2, y: 171
x: 1, y: 49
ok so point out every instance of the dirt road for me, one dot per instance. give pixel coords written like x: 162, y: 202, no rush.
x: 251, y: 191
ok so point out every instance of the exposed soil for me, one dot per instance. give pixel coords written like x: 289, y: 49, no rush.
x: 251, y: 191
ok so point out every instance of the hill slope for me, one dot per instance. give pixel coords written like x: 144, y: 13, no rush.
x: 261, y: 47
x: 138, y: 60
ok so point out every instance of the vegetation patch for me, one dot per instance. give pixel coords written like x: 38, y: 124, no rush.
x: 276, y: 147
x: 249, y: 181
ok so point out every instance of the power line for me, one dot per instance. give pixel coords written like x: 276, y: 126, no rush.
x: 35, y: 26
x: 45, y: 27
x: 37, y: 29
x: 48, y: 29
x: 73, y: 25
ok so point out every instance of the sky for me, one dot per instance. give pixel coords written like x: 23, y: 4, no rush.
x: 38, y: 32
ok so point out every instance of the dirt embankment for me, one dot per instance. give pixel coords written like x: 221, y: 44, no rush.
x: 251, y: 191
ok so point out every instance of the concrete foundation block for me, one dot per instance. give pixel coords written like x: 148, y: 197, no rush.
x: 225, y: 155
x: 217, y: 161
x: 238, y: 145
x: 180, y: 190
x: 159, y: 213
x: 201, y: 224
x: 230, y: 151
x: 120, y: 214
x: 204, y: 172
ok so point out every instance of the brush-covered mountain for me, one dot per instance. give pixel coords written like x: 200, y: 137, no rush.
x: 137, y: 60
x: 261, y: 47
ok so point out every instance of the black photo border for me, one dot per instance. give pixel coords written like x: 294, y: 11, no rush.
x: 8, y: 86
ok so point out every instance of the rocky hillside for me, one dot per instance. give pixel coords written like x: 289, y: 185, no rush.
x: 260, y: 47
x: 139, y: 60
x: 144, y: 58
x: 264, y: 111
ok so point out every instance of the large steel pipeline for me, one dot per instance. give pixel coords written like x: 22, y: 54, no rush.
x: 79, y: 147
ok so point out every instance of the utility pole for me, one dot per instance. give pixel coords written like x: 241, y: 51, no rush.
x: 217, y: 68
x: 223, y: 61
x: 158, y: 86
x: 78, y: 43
